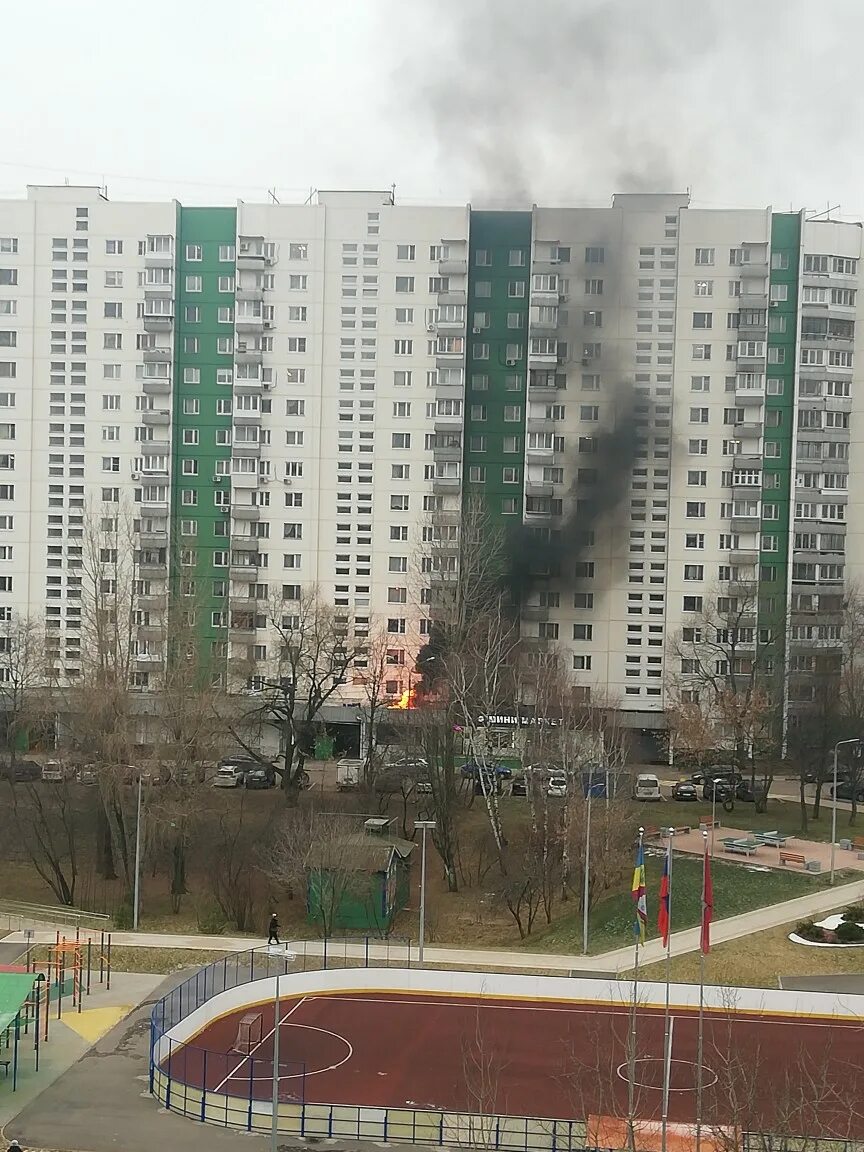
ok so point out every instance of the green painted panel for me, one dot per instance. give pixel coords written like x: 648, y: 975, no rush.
x: 497, y: 362
x: 202, y: 410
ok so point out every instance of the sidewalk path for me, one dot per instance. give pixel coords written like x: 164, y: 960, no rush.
x: 619, y: 960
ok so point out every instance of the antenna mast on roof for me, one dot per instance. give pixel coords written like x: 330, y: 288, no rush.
x: 271, y: 192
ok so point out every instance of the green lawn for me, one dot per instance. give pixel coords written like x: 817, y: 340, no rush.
x: 736, y: 890
x: 782, y: 816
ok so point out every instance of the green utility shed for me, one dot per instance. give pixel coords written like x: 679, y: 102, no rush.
x: 361, y: 882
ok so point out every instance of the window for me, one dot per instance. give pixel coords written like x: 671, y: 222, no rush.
x: 700, y: 383
x: 694, y: 571
x: 403, y: 347
x: 296, y: 343
x: 704, y: 256
x: 703, y: 319
x: 692, y: 604
x: 703, y: 288
x: 697, y: 447
x: 698, y: 415
x: 400, y: 440
x: 194, y: 283
x: 192, y: 314
x: 8, y: 277
x: 112, y: 341
x: 298, y: 251
x: 779, y: 292
x: 404, y: 283
x: 583, y: 631
x: 695, y: 509
x: 405, y: 251
x: 512, y: 413
x: 191, y: 375
x: 701, y: 352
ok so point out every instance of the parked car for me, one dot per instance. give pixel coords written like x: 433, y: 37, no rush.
x: 26, y: 770
x: 423, y: 787
x: 470, y: 770
x: 684, y: 790
x: 519, y: 785
x: 844, y: 791
x: 748, y: 792
x: 52, y: 772
x: 263, y: 776
x: 557, y: 786
x: 647, y: 787
x: 86, y: 775
x: 718, y: 788
x: 231, y: 775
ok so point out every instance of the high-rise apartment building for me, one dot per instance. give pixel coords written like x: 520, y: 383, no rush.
x: 274, y: 397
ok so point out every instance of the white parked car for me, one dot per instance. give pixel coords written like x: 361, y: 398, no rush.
x: 230, y: 776
x: 647, y: 787
x: 557, y: 786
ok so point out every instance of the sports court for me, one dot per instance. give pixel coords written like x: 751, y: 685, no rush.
x: 541, y: 1058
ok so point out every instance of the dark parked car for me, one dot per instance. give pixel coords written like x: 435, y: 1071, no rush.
x: 684, y: 790
x: 260, y: 777
x: 844, y: 791
x: 719, y: 788
x: 26, y: 770
x: 749, y: 793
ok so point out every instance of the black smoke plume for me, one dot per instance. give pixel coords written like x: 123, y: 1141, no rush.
x: 537, y: 554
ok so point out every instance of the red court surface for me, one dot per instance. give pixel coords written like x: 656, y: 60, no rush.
x: 549, y: 1059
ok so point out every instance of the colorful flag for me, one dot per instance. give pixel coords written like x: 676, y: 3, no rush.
x: 640, y: 896
x: 707, y: 905
x: 663, y: 906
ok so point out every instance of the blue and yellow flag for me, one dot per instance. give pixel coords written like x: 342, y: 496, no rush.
x: 640, y: 898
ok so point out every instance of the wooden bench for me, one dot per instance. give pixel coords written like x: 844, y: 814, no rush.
x: 858, y: 846
x: 792, y: 858
x: 707, y: 822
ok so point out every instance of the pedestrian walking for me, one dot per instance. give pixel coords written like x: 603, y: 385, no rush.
x: 15, y: 1147
x: 273, y: 930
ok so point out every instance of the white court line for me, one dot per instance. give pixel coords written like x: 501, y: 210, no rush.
x: 584, y: 1007
x: 251, y: 1053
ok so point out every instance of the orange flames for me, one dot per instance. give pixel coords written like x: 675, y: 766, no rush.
x: 406, y: 700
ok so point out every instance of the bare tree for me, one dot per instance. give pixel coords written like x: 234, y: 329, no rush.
x: 727, y: 664
x: 22, y: 675
x: 309, y: 652
x: 230, y: 858
x: 51, y: 829
x: 374, y: 671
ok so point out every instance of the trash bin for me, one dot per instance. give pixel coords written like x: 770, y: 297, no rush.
x: 324, y: 748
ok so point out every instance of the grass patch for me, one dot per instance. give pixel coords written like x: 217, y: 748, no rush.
x: 736, y: 890
x: 757, y: 961
x: 160, y: 961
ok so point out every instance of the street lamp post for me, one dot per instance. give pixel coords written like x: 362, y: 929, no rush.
x: 424, y: 825
x: 586, y: 875
x: 837, y: 746
x: 136, y: 897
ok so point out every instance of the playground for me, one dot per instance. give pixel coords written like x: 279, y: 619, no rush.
x: 44, y: 983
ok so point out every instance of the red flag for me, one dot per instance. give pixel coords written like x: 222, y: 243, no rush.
x: 707, y: 905
x: 663, y: 904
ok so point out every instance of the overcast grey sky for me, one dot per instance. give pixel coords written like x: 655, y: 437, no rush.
x: 748, y: 102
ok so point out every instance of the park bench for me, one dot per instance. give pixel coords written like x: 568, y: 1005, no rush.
x: 707, y: 822
x: 741, y: 847
x: 858, y: 846
x: 792, y: 858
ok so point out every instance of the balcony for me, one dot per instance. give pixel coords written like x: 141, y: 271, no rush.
x: 753, y: 269
x: 249, y: 291
x: 247, y: 419
x: 245, y: 355
x: 154, y: 538
x: 745, y: 521
x: 747, y: 394
x: 244, y: 480
x: 153, y: 508
x: 744, y: 555
x: 150, y: 603
x: 248, y: 451
x: 245, y: 572
x: 156, y: 417
x: 444, y: 484
x: 449, y: 359
x: 249, y: 386
x: 750, y: 430
x: 250, y: 253
x: 150, y: 631
x: 246, y: 322
x: 539, y: 488
x: 542, y: 359
x: 452, y: 266
x: 545, y: 388
x: 243, y: 629
x: 753, y: 300
x: 748, y: 363
x: 161, y: 354
x: 152, y: 569
x: 539, y: 455
x: 448, y: 423
x: 443, y: 324
x: 447, y: 451
x: 155, y: 447
x: 541, y: 424
x: 452, y: 296
x: 148, y: 661
x: 162, y: 259
x: 156, y: 387
x: 245, y: 543
x: 535, y: 612
x: 158, y: 321
x: 745, y: 460
x: 245, y: 512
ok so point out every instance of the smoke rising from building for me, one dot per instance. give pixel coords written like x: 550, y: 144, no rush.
x: 586, y: 508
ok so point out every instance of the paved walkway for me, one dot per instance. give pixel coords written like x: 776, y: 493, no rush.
x: 845, y: 859
x: 619, y: 960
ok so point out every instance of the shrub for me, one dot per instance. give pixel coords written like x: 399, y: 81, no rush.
x: 123, y: 917
x: 849, y: 933
x: 211, y: 920
x: 855, y: 913
x: 807, y: 930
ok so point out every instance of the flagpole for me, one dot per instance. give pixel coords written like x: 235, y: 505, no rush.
x: 700, y: 1040
x: 667, y: 1031
x: 631, y: 1055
